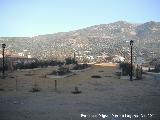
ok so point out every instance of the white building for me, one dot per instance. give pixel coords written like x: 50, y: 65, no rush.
x: 118, y: 58
x: 29, y: 56
x: 21, y: 54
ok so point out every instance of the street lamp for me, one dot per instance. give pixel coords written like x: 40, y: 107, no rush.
x: 131, y: 44
x: 3, y: 47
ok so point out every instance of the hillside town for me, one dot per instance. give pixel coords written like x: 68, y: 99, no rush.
x: 12, y: 59
x: 104, y: 68
x: 105, y: 43
x: 79, y: 60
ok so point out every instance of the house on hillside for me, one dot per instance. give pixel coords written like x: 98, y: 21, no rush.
x: 118, y: 58
x: 12, y: 59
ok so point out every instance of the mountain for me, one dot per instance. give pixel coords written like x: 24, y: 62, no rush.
x: 110, y: 38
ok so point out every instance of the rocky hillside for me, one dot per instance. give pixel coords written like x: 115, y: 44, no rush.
x: 110, y: 38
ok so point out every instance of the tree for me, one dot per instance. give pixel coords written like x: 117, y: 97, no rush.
x: 126, y: 68
x: 70, y: 60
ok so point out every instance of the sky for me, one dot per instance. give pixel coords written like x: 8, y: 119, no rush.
x: 28, y: 18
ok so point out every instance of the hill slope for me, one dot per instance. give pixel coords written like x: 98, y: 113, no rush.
x: 110, y: 38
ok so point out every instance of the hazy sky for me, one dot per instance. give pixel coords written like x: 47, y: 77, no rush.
x: 35, y: 17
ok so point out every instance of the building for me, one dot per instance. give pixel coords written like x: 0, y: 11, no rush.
x: 12, y: 59
x: 118, y: 58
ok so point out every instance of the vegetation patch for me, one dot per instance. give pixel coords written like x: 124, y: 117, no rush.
x: 70, y: 60
x: 76, y: 91
x: 126, y: 68
x: 12, y: 77
x: 155, y: 62
x: 156, y: 69
x: 96, y: 76
x: 1, y: 89
x: 61, y: 71
x: 37, y: 64
x: 80, y: 66
x: 35, y: 88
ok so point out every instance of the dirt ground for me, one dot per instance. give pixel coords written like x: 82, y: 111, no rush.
x: 107, y: 98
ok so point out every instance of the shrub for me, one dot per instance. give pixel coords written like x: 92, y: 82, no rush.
x: 61, y: 71
x: 138, y: 72
x: 35, y: 88
x: 70, y: 60
x: 156, y: 69
x: 126, y: 68
x: 96, y: 76
x: 27, y: 65
x: 37, y: 64
x: 80, y: 66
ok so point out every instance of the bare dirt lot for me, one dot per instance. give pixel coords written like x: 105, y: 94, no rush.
x: 107, y: 97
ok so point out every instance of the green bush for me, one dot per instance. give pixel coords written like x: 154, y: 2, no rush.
x: 138, y: 72
x: 80, y: 66
x: 126, y: 68
x: 37, y: 64
x: 70, y: 60
x: 156, y: 69
x: 61, y: 71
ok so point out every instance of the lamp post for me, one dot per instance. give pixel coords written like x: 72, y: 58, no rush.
x: 3, y: 47
x: 131, y: 44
